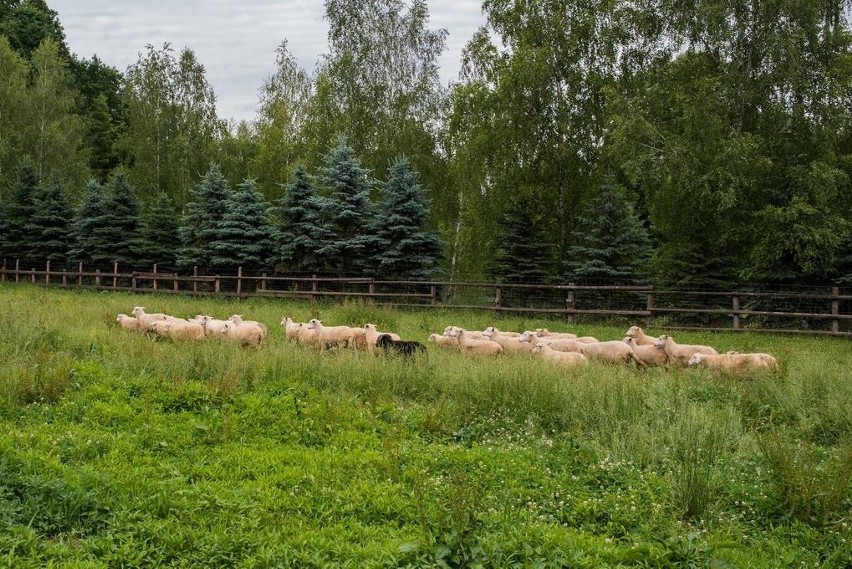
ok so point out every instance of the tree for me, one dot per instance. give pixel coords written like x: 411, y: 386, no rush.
x: 299, y: 229
x: 244, y: 235
x: 49, y: 230
x: 609, y: 240
x: 121, y: 233
x: 347, y: 210
x: 26, y: 23
x: 87, y: 237
x: 200, y: 219
x: 398, y: 244
x: 19, y: 209
x: 160, y: 232
x: 13, y: 82
x: 523, y: 253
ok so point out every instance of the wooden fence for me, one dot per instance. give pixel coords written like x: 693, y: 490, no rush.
x: 826, y: 310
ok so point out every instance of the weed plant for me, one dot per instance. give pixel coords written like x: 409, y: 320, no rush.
x: 118, y: 449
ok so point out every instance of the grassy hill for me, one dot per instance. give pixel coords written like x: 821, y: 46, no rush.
x: 121, y: 450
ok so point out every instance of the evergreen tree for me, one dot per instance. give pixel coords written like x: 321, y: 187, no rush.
x: 49, y: 229
x: 160, y: 233
x: 523, y: 254
x: 299, y: 229
x: 19, y: 209
x: 610, y: 241
x: 347, y: 210
x: 122, y: 231
x: 244, y: 236
x: 87, y: 235
x: 399, y: 246
x: 205, y: 211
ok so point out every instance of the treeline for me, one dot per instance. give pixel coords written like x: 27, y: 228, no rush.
x: 684, y: 143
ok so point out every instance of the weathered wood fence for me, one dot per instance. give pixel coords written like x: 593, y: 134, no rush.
x: 826, y: 310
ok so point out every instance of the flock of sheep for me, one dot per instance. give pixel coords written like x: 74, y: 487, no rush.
x: 560, y: 347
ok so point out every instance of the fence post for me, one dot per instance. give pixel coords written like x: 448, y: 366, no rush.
x: 47, y: 272
x: 735, y: 301
x: 17, y: 268
x: 649, y: 306
x: 175, y: 281
x: 133, y: 282
x: 371, y: 289
x: 433, y: 294
x: 263, y: 282
x: 314, y: 286
x: 569, y: 305
x: 835, y: 309
x: 32, y: 275
x: 3, y: 274
x: 114, y: 275
x: 80, y: 273
x: 217, y: 284
x: 498, y: 299
x: 195, y: 282
x: 97, y: 278
x: 64, y: 276
x: 239, y: 280
x: 155, y: 277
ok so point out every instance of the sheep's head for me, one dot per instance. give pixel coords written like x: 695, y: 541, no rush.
x: 453, y: 331
x: 121, y: 317
x: 661, y: 341
x: 236, y: 318
x: 370, y: 327
x: 630, y: 341
x: 696, y: 359
x: 489, y: 332
x: 537, y: 348
x: 526, y: 336
x: 432, y: 337
x: 542, y: 331
x: 314, y: 324
x: 633, y: 331
x: 384, y: 341
x: 137, y: 310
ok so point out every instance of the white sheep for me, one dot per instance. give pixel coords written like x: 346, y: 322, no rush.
x: 473, y: 334
x: 557, y: 343
x: 146, y: 321
x: 734, y: 362
x: 444, y: 341
x: 238, y: 320
x: 339, y: 336
x: 291, y: 329
x: 212, y: 326
x: 492, y: 332
x: 679, y: 354
x: 179, y: 329
x: 245, y: 335
x: 371, y: 335
x: 613, y: 351
x: 639, y: 336
x: 650, y: 354
x: 475, y: 346
x: 545, y: 333
x: 512, y: 344
x: 561, y: 358
x: 128, y: 322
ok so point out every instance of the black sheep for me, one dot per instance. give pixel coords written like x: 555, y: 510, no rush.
x: 405, y: 348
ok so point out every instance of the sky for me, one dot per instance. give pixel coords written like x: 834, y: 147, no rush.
x: 234, y: 40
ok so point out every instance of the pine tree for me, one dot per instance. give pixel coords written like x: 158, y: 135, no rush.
x: 122, y: 231
x: 19, y: 209
x: 87, y: 242
x: 347, y: 210
x: 160, y: 233
x: 49, y: 228
x: 524, y: 255
x: 203, y: 213
x: 399, y: 246
x: 610, y: 241
x: 244, y: 236
x: 300, y: 227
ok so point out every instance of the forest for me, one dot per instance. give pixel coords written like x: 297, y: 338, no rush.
x: 683, y: 144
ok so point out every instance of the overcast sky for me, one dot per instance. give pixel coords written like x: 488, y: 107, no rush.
x: 235, y: 41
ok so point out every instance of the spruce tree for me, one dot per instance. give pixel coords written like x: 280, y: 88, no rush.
x: 346, y: 211
x: 49, y: 229
x: 398, y: 245
x: 524, y: 255
x: 610, y: 241
x: 87, y: 236
x: 122, y: 230
x: 160, y: 233
x: 300, y: 227
x: 244, y: 236
x: 19, y: 209
x: 205, y: 211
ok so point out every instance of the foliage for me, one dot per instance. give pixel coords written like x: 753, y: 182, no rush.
x: 48, y: 230
x: 88, y: 243
x: 243, y: 236
x: 524, y: 254
x: 121, y: 232
x: 13, y: 94
x: 18, y: 210
x: 299, y: 230
x: 202, y: 215
x: 160, y: 232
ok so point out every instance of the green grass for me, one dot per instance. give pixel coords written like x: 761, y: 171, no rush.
x: 120, y: 450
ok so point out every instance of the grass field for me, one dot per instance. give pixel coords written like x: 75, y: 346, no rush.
x: 120, y: 450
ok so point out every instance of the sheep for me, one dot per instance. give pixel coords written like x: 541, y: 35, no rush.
x: 679, y: 354
x: 246, y: 335
x: 648, y: 354
x: 512, y: 344
x: 359, y: 339
x: 179, y: 329
x: 405, y: 348
x: 544, y: 332
x: 492, y: 332
x: 212, y: 326
x: 639, y: 336
x: 146, y: 321
x: 371, y: 334
x: 474, y: 346
x: 561, y: 358
x: 339, y: 336
x: 734, y: 362
x: 307, y: 336
x: 444, y: 341
x: 128, y: 322
x: 291, y: 329
x: 238, y: 320
x: 472, y: 334
x: 615, y: 351
x: 558, y: 344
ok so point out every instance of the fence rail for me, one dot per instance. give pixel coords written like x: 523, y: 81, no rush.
x: 823, y: 310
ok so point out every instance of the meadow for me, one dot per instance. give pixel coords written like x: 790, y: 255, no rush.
x: 117, y: 449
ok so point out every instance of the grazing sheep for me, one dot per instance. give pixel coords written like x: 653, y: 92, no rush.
x: 212, y: 326
x: 128, y: 322
x: 639, y: 336
x: 405, y: 348
x: 444, y: 341
x: 561, y: 358
x: 146, y: 321
x: 339, y: 336
x: 545, y: 333
x: 473, y: 334
x: 475, y: 346
x: 558, y: 344
x: 679, y: 354
x: 245, y: 335
x: 238, y: 320
x: 492, y: 332
x: 178, y: 329
x: 371, y: 335
x: 734, y: 362
x: 291, y: 329
x: 613, y: 351
x: 359, y: 339
x: 307, y: 336
x: 650, y: 354
x: 512, y: 344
